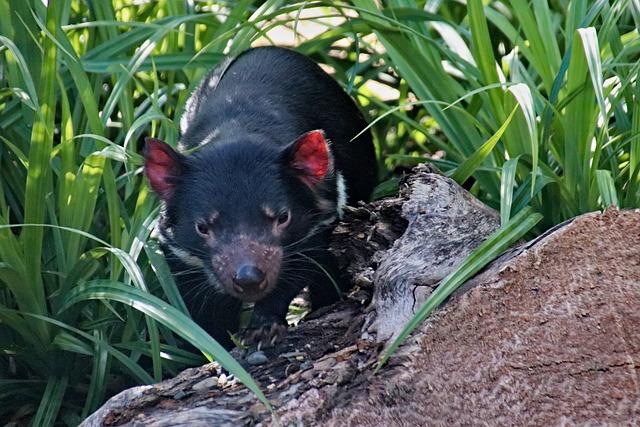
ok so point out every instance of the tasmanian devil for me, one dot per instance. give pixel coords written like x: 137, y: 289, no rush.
x: 267, y: 161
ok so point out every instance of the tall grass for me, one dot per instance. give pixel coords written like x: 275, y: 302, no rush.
x: 533, y: 106
x: 571, y: 67
x: 81, y: 83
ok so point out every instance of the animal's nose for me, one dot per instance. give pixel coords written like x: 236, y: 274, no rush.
x: 248, y: 276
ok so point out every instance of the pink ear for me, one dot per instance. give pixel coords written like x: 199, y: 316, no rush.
x: 310, y: 155
x: 161, y: 164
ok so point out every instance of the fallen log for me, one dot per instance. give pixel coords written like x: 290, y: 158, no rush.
x: 547, y: 334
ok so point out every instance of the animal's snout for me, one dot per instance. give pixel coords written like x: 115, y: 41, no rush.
x: 246, y: 268
x: 249, y: 277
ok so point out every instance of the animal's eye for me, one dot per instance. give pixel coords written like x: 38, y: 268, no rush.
x: 202, y: 227
x: 283, y: 219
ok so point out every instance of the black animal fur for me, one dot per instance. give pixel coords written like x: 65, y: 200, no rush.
x: 244, y: 126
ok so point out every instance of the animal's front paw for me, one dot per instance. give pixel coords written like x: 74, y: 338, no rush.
x: 264, y: 336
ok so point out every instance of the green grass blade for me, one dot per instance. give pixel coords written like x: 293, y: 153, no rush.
x: 242, y: 40
x: 167, y: 315
x: 522, y: 94
x: 24, y: 71
x: 579, y: 125
x: 235, y: 18
x: 607, y: 188
x: 507, y: 182
x: 541, y: 56
x: 166, y: 62
x: 133, y: 368
x: 67, y: 342
x: 471, y: 164
x: 51, y: 401
x: 154, y: 340
x: 163, y: 273
x: 39, y: 174
x: 591, y: 49
x: 16, y: 323
x: 83, y: 198
x: 633, y: 198
x: 484, y: 56
x: 99, y: 372
x: 576, y: 12
x: 169, y: 352
x: 544, y: 19
x: 123, y: 43
x: 18, y: 25
x: 523, y: 198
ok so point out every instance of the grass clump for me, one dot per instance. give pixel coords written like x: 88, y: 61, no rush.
x: 84, y: 293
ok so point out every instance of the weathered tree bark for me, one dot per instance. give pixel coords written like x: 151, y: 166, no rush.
x: 547, y: 334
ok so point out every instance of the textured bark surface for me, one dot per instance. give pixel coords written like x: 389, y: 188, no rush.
x: 445, y: 223
x: 546, y: 335
x: 549, y: 337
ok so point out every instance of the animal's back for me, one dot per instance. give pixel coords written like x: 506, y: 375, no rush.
x: 281, y: 94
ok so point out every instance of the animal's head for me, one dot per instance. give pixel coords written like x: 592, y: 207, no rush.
x: 236, y: 208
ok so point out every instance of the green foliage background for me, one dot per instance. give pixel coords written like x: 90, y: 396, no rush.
x: 532, y: 105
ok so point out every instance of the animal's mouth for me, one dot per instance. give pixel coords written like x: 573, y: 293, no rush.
x: 251, y: 295
x: 247, y: 269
